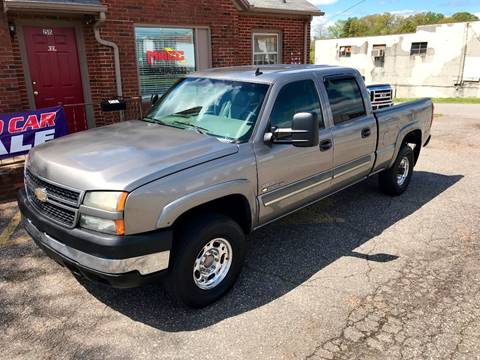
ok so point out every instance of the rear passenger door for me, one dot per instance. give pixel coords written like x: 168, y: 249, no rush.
x: 354, y: 131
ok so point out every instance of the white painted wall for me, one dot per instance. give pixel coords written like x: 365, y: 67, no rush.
x: 434, y: 74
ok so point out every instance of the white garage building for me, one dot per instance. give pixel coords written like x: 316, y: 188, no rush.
x: 436, y: 61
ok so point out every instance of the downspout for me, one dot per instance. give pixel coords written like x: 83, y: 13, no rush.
x: 461, y: 71
x: 116, y: 55
x: 306, y: 56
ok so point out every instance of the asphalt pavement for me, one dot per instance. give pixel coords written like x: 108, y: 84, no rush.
x: 357, y: 276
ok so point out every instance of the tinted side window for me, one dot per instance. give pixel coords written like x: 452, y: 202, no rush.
x: 345, y: 99
x: 298, y: 96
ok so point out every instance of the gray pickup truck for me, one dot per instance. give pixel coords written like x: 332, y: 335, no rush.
x: 222, y: 153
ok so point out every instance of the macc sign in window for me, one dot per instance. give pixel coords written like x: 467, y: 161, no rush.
x: 163, y: 55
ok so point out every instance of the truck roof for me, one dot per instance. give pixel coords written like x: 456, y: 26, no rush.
x: 270, y: 73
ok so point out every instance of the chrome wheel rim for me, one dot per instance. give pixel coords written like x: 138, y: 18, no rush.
x: 403, y: 169
x: 212, y: 263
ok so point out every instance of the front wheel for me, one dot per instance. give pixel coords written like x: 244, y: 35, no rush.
x: 395, y: 180
x: 207, y: 259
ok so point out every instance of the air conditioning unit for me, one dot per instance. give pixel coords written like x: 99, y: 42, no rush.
x: 376, y: 53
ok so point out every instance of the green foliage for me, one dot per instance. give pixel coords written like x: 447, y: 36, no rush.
x: 387, y: 24
x: 338, y: 29
x: 311, y: 57
x: 463, y: 17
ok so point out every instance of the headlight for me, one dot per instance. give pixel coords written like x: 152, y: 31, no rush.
x: 99, y: 224
x: 106, y: 200
x: 105, y: 213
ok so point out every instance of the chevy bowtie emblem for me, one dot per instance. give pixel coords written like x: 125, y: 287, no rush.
x: 41, y: 194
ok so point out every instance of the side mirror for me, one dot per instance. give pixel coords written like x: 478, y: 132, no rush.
x: 154, y: 99
x: 304, y: 131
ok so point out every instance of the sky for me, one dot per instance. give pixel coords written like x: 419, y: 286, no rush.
x: 342, y: 9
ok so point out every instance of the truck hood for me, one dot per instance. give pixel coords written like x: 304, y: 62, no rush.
x: 123, y: 156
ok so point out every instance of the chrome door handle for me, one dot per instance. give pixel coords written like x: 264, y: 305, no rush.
x: 366, y: 132
x: 325, y: 145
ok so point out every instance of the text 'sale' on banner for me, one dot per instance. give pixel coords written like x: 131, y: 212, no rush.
x: 19, y: 132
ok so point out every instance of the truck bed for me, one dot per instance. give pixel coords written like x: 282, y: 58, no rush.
x: 396, y: 121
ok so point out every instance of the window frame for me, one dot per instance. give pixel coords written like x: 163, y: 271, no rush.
x: 379, y: 61
x: 344, y: 77
x: 322, y: 123
x: 420, y: 51
x: 345, y: 53
x: 196, y: 45
x: 277, y: 34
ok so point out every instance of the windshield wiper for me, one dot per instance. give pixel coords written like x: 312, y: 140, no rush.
x: 199, y: 129
x: 188, y: 112
x: 153, y: 120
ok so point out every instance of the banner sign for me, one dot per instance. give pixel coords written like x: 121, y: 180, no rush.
x: 19, y: 132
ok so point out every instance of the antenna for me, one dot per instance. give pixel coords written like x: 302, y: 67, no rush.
x: 258, y: 72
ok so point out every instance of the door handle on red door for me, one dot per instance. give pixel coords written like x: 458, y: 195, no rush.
x: 325, y: 145
x: 366, y: 132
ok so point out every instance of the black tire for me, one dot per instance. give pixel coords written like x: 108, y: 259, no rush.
x: 388, y: 181
x: 195, y: 233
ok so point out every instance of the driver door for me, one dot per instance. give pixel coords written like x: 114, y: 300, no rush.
x: 289, y: 176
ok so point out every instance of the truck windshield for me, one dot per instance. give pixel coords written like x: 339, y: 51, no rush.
x: 225, y: 109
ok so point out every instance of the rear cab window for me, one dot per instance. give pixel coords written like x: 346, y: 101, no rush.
x: 345, y: 97
x: 295, y: 97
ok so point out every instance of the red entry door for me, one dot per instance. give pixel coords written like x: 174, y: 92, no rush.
x: 55, y: 71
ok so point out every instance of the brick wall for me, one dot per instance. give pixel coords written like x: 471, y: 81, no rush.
x: 11, y: 180
x: 292, y: 31
x: 231, y: 43
x: 10, y: 99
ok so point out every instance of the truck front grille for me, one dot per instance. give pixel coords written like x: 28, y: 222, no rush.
x: 54, y: 212
x: 61, y: 205
x: 381, y: 98
x: 70, y: 197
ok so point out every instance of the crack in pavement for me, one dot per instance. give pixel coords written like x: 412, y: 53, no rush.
x: 412, y: 315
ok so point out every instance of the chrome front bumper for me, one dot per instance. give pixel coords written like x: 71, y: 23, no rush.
x: 145, y: 264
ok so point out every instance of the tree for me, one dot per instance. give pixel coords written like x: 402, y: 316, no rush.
x: 337, y: 30
x: 407, y: 25
x: 463, y: 17
x: 357, y: 27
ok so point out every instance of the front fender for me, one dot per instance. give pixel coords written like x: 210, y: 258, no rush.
x: 176, y: 208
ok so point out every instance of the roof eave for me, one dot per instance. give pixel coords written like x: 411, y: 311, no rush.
x: 286, y: 11
x: 53, y: 7
x: 242, y: 4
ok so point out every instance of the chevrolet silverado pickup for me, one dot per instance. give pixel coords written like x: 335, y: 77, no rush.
x: 222, y: 153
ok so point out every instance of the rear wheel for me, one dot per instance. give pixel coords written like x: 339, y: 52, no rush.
x: 207, y: 260
x: 395, y: 180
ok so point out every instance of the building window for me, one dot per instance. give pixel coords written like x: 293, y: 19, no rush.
x: 419, y: 48
x: 378, y: 55
x: 265, y: 49
x: 345, y: 51
x: 163, y: 55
